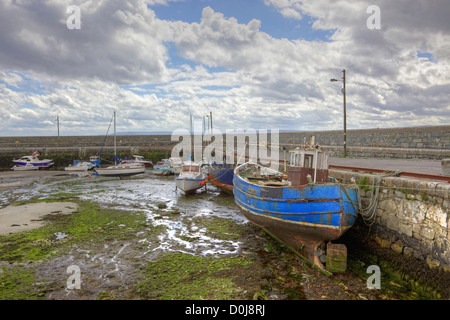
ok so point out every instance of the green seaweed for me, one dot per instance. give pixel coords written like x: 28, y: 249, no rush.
x: 181, y: 276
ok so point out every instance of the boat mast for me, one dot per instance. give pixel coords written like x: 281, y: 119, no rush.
x: 115, y: 162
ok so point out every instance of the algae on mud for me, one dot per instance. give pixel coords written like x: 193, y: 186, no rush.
x: 181, y: 276
x: 88, y: 224
x: 125, y: 231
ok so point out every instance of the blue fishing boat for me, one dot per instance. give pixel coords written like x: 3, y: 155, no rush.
x: 221, y: 175
x: 301, y: 208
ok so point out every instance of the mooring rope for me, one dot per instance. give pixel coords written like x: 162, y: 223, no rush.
x: 370, y: 212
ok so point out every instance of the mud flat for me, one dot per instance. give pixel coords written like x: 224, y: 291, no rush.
x: 17, y: 179
x: 29, y: 216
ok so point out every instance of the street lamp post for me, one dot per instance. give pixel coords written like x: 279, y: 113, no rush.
x: 345, y: 112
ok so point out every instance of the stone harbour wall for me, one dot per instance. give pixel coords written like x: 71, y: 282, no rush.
x: 432, y: 137
x: 431, y: 142
x: 408, y: 143
x: 412, y: 219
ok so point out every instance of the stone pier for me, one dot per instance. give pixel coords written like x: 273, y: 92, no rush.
x: 411, y: 223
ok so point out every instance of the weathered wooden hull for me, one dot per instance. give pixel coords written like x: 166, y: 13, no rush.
x: 304, y: 217
x: 221, y: 175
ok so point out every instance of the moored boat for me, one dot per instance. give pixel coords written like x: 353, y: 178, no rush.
x: 162, y: 168
x: 26, y: 167
x: 301, y: 208
x: 121, y: 170
x: 175, y: 164
x: 80, y: 166
x: 95, y: 160
x: 138, y: 159
x: 33, y: 160
x: 221, y: 175
x: 191, y: 178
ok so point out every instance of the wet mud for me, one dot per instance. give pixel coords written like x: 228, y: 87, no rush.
x: 140, y: 238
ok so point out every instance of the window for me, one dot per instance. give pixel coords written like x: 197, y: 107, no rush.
x: 308, y: 163
x: 190, y: 169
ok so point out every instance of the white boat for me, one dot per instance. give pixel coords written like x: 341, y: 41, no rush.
x: 191, y: 178
x: 175, y: 164
x: 33, y: 160
x: 162, y: 168
x: 123, y: 169
x: 95, y: 160
x: 138, y: 159
x: 28, y: 166
x: 80, y: 166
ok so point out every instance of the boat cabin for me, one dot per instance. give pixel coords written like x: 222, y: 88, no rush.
x: 28, y: 158
x: 307, y: 165
x: 190, y: 168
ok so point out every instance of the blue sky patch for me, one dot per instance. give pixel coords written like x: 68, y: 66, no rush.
x: 427, y: 55
x: 272, y: 22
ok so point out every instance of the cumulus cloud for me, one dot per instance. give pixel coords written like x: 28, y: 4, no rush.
x: 121, y: 59
x: 118, y: 41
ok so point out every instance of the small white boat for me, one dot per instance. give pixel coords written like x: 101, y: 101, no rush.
x: 95, y: 160
x: 191, y: 178
x: 162, y: 168
x: 80, y: 166
x: 28, y: 166
x: 162, y: 171
x: 121, y: 170
x: 138, y: 159
x: 33, y: 160
x: 175, y: 164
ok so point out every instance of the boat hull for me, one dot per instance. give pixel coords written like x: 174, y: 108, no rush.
x: 144, y: 163
x: 119, y: 171
x: 189, y: 185
x: 303, y: 217
x: 43, y: 164
x: 221, y: 175
x: 24, y: 168
x: 93, y: 162
x: 162, y: 172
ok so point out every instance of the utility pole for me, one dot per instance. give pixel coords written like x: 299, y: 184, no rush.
x: 345, y: 111
x: 210, y: 116
x: 345, y: 114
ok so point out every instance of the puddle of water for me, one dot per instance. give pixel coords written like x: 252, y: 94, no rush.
x: 146, y: 194
x: 60, y: 235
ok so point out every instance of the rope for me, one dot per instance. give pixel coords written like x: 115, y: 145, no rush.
x: 370, y: 212
x: 105, y: 137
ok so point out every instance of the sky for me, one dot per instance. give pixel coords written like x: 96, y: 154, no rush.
x: 253, y: 64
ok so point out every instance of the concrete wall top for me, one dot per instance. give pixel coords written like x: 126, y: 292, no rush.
x: 432, y: 137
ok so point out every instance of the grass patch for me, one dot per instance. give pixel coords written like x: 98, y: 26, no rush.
x: 224, y: 229
x: 19, y: 284
x: 364, y: 184
x: 181, y: 276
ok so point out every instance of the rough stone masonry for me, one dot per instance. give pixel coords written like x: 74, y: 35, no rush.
x: 412, y: 218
